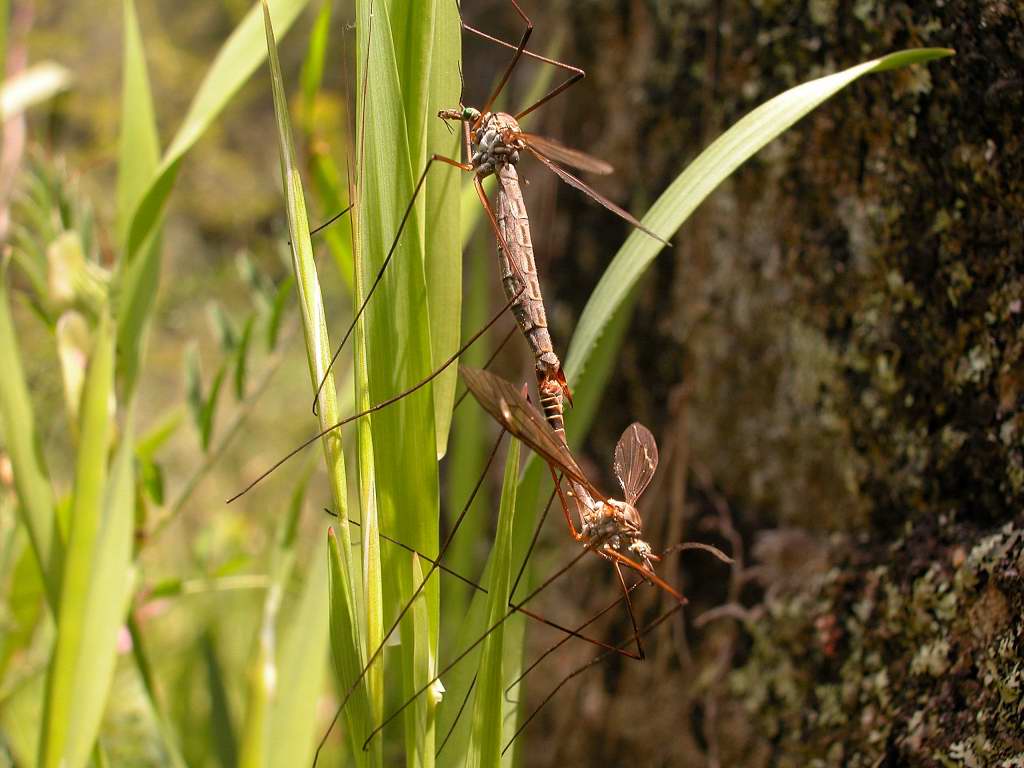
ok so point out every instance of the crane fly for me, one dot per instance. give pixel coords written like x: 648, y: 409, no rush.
x: 608, y: 527
x: 514, y: 606
x: 492, y: 144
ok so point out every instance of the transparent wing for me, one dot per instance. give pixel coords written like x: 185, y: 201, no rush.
x: 572, y: 181
x: 563, y: 154
x: 509, y: 408
x: 636, y: 460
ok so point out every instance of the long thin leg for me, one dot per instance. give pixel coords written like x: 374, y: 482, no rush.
x: 321, y: 227
x: 646, y: 572
x: 564, y: 640
x: 487, y: 365
x: 458, y: 716
x: 629, y: 609
x: 575, y: 632
x: 515, y: 58
x: 435, y: 564
x: 374, y: 408
x: 577, y: 73
x: 565, y: 504
x: 384, y: 265
x: 472, y: 646
x: 580, y: 670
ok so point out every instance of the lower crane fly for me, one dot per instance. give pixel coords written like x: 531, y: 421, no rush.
x: 609, y: 528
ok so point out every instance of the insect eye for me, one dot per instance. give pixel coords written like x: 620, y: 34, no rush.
x: 470, y: 114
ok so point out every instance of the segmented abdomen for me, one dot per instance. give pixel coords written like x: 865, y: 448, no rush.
x: 518, y: 267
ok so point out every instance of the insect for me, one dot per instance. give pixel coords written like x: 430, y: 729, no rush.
x: 609, y: 528
x: 493, y: 143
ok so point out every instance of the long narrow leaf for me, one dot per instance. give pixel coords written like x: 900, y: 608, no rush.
x: 318, y: 348
x: 147, y: 192
x: 302, y: 662
x: 346, y: 666
x: 398, y: 344
x: 139, y: 152
x: 442, y: 236
x: 486, y: 743
x: 62, y: 699
x: 692, y: 187
x: 110, y: 587
x: 31, y: 480
x: 239, y: 57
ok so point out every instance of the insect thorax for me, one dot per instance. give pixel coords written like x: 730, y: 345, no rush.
x: 613, y: 524
x: 495, y: 142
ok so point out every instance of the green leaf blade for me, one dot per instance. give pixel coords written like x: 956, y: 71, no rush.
x: 31, y: 480
x: 344, y: 629
x: 62, y: 697
x: 486, y: 741
x: 701, y: 177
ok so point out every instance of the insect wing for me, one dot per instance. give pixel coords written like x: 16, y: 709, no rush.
x: 572, y: 181
x: 510, y: 409
x: 563, y: 154
x: 636, y: 460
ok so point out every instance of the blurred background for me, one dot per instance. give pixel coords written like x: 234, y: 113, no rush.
x: 831, y: 357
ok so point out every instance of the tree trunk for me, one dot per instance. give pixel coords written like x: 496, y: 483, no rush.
x: 833, y: 354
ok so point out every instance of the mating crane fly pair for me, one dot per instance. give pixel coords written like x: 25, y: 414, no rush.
x: 494, y: 143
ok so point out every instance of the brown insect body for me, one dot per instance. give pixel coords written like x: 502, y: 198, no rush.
x: 608, y: 526
x: 496, y: 144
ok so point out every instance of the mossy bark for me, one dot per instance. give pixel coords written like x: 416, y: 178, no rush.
x: 835, y: 352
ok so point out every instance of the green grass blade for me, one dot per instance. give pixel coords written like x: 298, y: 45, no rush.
x: 139, y: 152
x: 143, y: 190
x: 25, y: 598
x: 263, y: 671
x: 171, y: 745
x: 222, y: 727
x: 302, y: 662
x: 486, y: 742
x: 398, y: 341
x: 112, y: 577
x: 239, y: 57
x: 693, y: 185
x: 86, y: 518
x: 443, y: 229
x: 313, y: 65
x: 31, y: 480
x: 327, y: 180
x: 424, y: 666
x: 285, y: 677
x: 345, y: 637
x: 470, y: 437
x: 373, y: 588
x: 346, y: 665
